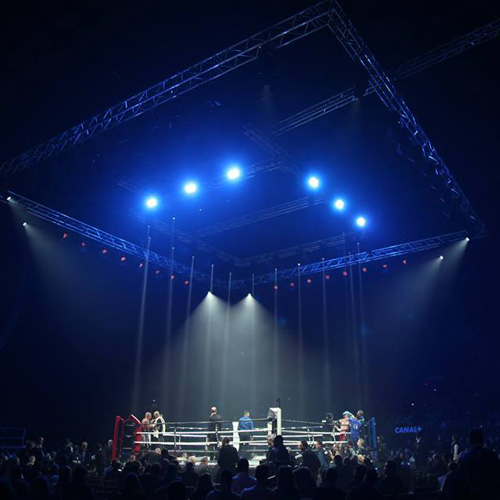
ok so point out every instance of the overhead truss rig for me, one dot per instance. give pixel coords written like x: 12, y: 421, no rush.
x: 326, y: 14
x: 112, y: 241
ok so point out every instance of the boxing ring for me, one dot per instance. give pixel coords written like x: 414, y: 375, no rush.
x: 199, y: 439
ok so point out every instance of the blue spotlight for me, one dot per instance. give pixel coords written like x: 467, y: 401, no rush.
x: 151, y: 202
x: 233, y: 173
x: 190, y: 188
x: 361, y: 221
x: 313, y: 182
x: 339, y: 204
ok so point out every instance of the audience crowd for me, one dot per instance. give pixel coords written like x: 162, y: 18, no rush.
x: 470, y: 471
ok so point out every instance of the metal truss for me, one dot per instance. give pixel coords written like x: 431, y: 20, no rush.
x: 413, y: 66
x: 193, y: 242
x: 354, y: 259
x: 107, y: 239
x: 357, y: 49
x: 260, y: 215
x: 290, y: 30
x: 287, y: 163
x: 297, y: 250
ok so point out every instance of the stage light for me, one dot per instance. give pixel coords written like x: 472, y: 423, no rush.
x: 385, y: 266
x: 292, y: 284
x: 104, y: 251
x: 190, y: 188
x: 9, y: 198
x: 345, y: 273
x: 233, y: 173
x: 467, y: 238
x: 309, y: 281
x: 405, y: 262
x: 25, y: 224
x: 313, y: 182
x: 83, y: 244
x: 339, y: 204
x: 151, y: 202
x: 361, y: 221
x: 123, y: 258
x: 275, y: 287
x: 365, y: 269
x: 327, y: 277
x: 186, y: 282
x: 64, y: 236
x: 441, y: 257
x: 172, y: 276
x: 141, y: 265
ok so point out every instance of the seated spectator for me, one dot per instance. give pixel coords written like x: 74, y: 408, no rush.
x: 203, y: 466
x: 343, y: 473
x: 304, y: 482
x: 480, y: 466
x: 368, y: 490
x: 113, y: 471
x: 22, y: 490
x: 454, y: 481
x: 260, y: 491
x: 79, y: 489
x: 40, y: 489
x: 131, y: 488
x: 328, y: 489
x: 359, y: 476
x: 391, y: 483
x: 205, y: 486
x: 190, y: 476
x: 242, y: 480
x: 285, y: 486
x: 150, y: 480
x: 224, y: 492
x: 99, y: 459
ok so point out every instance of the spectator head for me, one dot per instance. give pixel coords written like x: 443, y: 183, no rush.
x: 213, y: 409
x: 246, y: 413
x: 98, y: 446
x: 243, y: 465
x: 204, y: 460
x: 132, y: 458
x: 359, y: 474
x: 115, y: 464
x: 319, y: 444
x: 31, y: 461
x: 110, y: 443
x: 226, y: 478
x: 189, y: 466
x: 157, y: 451
x: 330, y: 477
x: 39, y: 441
x: 337, y: 460
x: 278, y: 440
x: 285, y: 478
x: 371, y: 478
x: 131, y: 483
x: 476, y: 437
x: 225, y: 441
x: 303, y: 446
x: 84, y: 446
x: 304, y: 481
x: 261, y: 474
x: 205, y: 482
x: 270, y: 441
x: 176, y: 491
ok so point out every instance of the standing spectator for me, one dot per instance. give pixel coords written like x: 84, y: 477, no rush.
x: 310, y: 458
x: 305, y: 482
x: 328, y: 489
x: 391, y: 483
x: 278, y: 455
x: 322, y: 456
x: 205, y: 486
x: 228, y: 456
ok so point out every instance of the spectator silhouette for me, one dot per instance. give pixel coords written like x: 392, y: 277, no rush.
x: 278, y: 455
x: 78, y: 488
x: 368, y: 490
x: 328, y: 489
x: 190, y: 477
x: 343, y: 473
x: 176, y: 491
x: 205, y: 486
x: 224, y: 492
x: 309, y: 458
x: 285, y: 487
x: 131, y: 488
x: 480, y: 466
x: 242, y: 479
x: 260, y: 491
x: 228, y: 456
x: 359, y: 476
x: 391, y: 483
x: 40, y: 489
x: 304, y: 482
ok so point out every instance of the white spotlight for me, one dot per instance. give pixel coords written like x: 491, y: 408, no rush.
x: 233, y: 173
x: 25, y: 224
x: 466, y: 239
x: 9, y: 198
x: 441, y: 257
x: 190, y: 188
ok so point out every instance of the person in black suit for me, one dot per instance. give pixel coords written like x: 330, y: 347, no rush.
x: 228, y: 456
x: 214, y: 427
